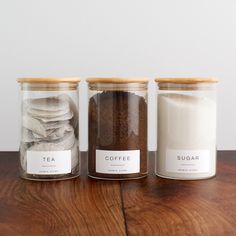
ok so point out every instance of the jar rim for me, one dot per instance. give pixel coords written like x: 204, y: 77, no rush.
x: 116, y: 80
x: 49, y: 80
x: 187, y: 80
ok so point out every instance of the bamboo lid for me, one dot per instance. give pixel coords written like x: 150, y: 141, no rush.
x: 186, y: 80
x: 49, y: 80
x: 116, y: 80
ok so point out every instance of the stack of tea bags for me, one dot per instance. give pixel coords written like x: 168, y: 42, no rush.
x: 50, y: 124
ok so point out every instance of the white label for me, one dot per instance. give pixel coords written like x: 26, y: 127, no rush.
x: 188, y: 161
x: 118, y: 162
x: 48, y: 162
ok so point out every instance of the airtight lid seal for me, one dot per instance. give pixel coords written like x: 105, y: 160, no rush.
x: 186, y: 80
x: 186, y: 83
x: 117, y: 84
x: 116, y: 80
x: 49, y: 80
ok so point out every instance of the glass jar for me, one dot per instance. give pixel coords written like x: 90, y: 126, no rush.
x: 49, y: 128
x: 117, y: 128
x: 186, y: 128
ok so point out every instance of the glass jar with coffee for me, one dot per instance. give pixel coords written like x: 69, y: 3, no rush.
x: 117, y: 128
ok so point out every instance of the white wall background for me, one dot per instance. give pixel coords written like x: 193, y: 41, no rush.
x: 117, y: 38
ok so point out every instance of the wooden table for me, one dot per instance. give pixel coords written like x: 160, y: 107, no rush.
x: 151, y: 206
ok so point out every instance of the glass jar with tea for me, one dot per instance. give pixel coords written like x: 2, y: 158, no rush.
x: 49, y: 128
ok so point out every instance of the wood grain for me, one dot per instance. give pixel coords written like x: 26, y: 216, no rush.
x: 49, y: 80
x: 186, y: 80
x: 158, y: 206
x: 116, y: 80
x: 151, y: 206
x: 80, y: 206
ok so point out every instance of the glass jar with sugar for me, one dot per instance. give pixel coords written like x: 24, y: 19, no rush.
x: 186, y: 128
x: 49, y: 128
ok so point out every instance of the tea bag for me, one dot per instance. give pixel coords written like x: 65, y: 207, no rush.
x: 48, y: 104
x: 64, y: 143
x: 50, y: 124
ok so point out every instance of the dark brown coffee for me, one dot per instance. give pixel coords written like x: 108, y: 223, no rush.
x: 117, y: 122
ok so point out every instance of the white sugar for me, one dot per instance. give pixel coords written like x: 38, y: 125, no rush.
x: 186, y: 126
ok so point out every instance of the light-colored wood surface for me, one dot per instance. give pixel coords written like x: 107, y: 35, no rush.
x: 49, y: 80
x: 117, y: 80
x: 186, y: 80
